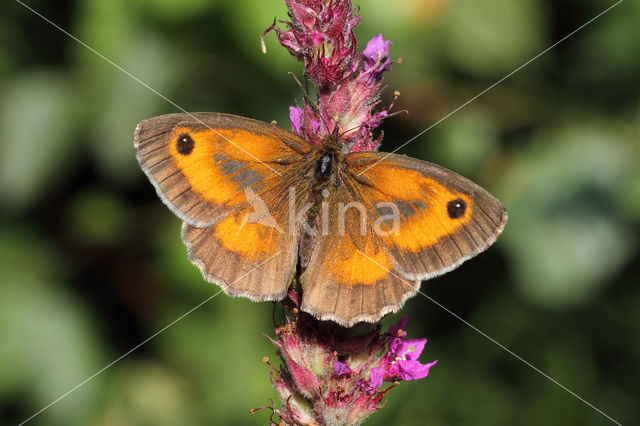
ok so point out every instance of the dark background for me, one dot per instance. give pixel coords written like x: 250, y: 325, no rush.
x: 91, y: 262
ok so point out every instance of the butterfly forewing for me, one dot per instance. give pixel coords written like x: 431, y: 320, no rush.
x: 444, y: 218
x: 201, y: 164
x: 350, y: 277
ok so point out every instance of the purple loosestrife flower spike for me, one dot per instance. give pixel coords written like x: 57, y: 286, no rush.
x: 320, y: 34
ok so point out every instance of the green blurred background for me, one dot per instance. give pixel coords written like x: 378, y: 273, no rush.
x: 91, y: 262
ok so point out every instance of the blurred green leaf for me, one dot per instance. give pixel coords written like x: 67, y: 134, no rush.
x: 125, y: 103
x: 221, y: 347
x: 493, y: 37
x: 146, y: 393
x: 254, y: 17
x: 605, y: 50
x: 477, y: 399
x: 36, y: 136
x: 48, y: 340
x: 173, y: 262
x: 564, y: 236
x: 98, y: 217
x: 175, y: 10
x: 466, y: 142
x: 117, y: 101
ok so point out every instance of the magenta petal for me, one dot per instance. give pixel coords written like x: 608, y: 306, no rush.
x: 295, y: 116
x: 376, y: 53
x: 396, y: 345
x: 413, y: 370
x: 375, y: 120
x: 377, y: 377
x: 375, y: 45
x: 412, y: 348
x: 400, y: 326
x: 341, y: 368
x: 393, y: 372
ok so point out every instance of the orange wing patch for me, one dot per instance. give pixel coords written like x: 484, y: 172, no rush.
x: 353, y: 266
x: 250, y: 240
x: 218, y: 168
x: 427, y: 210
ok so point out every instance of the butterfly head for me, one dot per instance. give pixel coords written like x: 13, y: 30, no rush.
x: 334, y: 142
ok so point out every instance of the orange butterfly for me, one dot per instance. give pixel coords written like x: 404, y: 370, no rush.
x: 262, y: 206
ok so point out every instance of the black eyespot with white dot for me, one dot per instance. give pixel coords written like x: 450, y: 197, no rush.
x: 456, y: 208
x: 184, y: 144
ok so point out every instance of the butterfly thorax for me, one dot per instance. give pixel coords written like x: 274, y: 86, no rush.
x: 327, y: 160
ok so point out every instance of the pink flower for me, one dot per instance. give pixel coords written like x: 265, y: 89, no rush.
x: 399, y: 330
x: 295, y: 116
x: 376, y: 377
x: 405, y: 364
x: 401, y: 360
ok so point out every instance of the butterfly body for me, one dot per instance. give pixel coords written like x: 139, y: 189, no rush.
x: 360, y: 230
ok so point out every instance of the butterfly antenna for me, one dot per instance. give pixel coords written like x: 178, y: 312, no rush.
x: 350, y: 130
x: 326, y: 125
x: 307, y: 98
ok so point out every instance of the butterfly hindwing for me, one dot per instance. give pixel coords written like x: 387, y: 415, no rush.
x: 251, y: 253
x: 350, y: 277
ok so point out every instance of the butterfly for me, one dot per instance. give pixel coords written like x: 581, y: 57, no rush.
x: 263, y: 210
